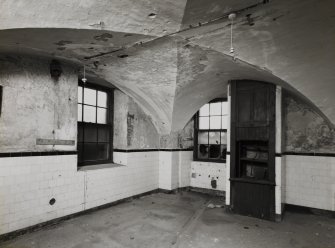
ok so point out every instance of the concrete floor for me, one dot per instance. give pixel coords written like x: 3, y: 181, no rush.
x: 180, y: 220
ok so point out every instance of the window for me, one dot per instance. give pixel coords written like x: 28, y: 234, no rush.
x: 95, y: 127
x: 210, y: 127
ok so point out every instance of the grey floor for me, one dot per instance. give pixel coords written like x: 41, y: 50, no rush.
x: 180, y: 220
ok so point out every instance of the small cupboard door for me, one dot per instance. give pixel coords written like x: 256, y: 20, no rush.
x: 254, y: 104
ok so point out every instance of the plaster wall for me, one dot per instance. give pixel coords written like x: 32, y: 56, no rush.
x: 179, y: 139
x: 133, y: 129
x: 35, y: 106
x: 304, y: 129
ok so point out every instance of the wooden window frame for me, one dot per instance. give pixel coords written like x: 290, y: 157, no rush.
x: 196, y: 132
x: 109, y: 124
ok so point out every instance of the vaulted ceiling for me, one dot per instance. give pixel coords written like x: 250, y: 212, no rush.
x: 173, y: 56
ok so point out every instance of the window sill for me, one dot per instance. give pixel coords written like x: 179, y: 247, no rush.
x: 99, y: 166
x: 210, y: 161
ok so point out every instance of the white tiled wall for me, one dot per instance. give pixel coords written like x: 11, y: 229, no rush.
x: 28, y: 183
x: 203, y: 172
x: 165, y: 170
x: 278, y: 187
x: 310, y: 181
x: 185, y: 160
x: 111, y: 184
x: 227, y: 171
x: 174, y: 169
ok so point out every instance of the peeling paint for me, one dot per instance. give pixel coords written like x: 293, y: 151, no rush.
x: 304, y: 129
x: 179, y: 139
x: 34, y: 106
x: 130, y: 129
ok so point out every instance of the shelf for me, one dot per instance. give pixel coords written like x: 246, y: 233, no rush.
x: 254, y: 160
x: 253, y: 181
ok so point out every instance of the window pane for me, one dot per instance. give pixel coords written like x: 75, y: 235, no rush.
x: 80, y: 94
x: 203, y: 138
x: 204, y: 110
x: 214, y: 138
x: 224, y: 122
x: 224, y: 138
x: 90, y: 96
x: 89, y: 114
x: 90, y: 151
x: 215, y: 108
x: 215, y: 122
x: 80, y: 133
x: 223, y: 152
x: 102, y: 99
x: 203, y: 151
x: 102, y: 116
x: 80, y: 152
x: 224, y: 108
x: 80, y: 112
x: 103, y: 134
x: 203, y: 122
x: 214, y: 151
x: 91, y: 134
x: 103, y: 151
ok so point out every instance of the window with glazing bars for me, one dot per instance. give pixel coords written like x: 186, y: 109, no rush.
x: 210, y: 131
x: 95, y: 127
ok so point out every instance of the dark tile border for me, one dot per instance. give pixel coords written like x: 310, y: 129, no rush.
x: 30, y: 154
x: 317, y: 154
x: 213, y: 192
x: 153, y: 150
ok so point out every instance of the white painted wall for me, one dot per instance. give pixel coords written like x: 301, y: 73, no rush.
x: 202, y: 174
x: 310, y: 181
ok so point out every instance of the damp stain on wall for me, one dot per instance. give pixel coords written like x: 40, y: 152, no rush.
x: 304, y: 130
x: 179, y: 139
x: 130, y: 128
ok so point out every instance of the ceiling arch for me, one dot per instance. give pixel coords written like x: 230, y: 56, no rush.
x: 173, y: 56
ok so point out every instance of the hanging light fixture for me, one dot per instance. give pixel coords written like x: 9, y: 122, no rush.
x: 231, y: 17
x: 84, y: 79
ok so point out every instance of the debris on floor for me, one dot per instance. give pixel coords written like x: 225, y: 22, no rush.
x: 211, y: 205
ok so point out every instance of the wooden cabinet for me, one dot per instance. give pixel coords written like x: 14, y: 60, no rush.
x: 252, y: 168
